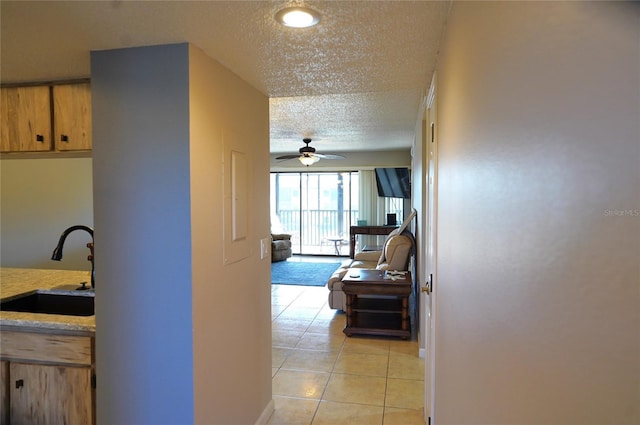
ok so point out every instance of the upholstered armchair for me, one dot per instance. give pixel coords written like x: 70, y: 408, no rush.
x: 280, y: 247
x: 395, y: 255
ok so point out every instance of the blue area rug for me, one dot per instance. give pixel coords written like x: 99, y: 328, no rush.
x: 302, y: 273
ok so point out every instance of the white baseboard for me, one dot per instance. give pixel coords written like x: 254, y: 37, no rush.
x: 266, y: 413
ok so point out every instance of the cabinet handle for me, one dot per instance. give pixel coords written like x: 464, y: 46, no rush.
x: 64, y: 138
x: 19, y: 383
x: 39, y: 138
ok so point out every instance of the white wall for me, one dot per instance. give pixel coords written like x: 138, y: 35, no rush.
x: 182, y: 337
x: 539, y: 214
x: 231, y: 285
x: 40, y: 198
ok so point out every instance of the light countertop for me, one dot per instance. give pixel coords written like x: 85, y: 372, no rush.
x: 16, y: 281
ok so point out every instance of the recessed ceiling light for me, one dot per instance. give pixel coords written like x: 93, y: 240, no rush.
x: 298, y: 17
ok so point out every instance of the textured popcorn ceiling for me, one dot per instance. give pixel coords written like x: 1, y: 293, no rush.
x: 353, y: 82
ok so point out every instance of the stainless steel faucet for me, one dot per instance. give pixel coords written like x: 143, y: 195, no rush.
x: 57, y: 252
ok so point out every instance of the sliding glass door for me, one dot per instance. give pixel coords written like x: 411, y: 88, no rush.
x: 317, y: 209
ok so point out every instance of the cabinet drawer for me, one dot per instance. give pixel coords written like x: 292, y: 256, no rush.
x: 46, y: 348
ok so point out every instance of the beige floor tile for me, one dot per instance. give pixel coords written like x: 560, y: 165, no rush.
x: 395, y: 416
x: 311, y: 360
x: 293, y: 411
x: 277, y: 308
x: 281, y: 301
x: 323, y: 341
x: 355, y: 389
x: 288, y: 339
x: 358, y: 379
x: 362, y: 364
x: 295, y: 312
x: 329, y: 313
x: 312, y: 299
x: 279, y: 355
x: 405, y: 347
x: 331, y: 413
x: 405, y: 366
x: 407, y: 393
x: 295, y: 383
x: 288, y: 324
x: 281, y: 298
x: 287, y: 290
x: 334, y: 326
x: 366, y: 345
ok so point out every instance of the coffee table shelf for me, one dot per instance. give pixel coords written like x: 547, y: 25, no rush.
x: 377, y: 305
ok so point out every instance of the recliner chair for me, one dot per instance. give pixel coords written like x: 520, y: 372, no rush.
x: 280, y: 247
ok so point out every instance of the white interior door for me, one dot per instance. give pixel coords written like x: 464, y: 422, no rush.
x: 428, y: 289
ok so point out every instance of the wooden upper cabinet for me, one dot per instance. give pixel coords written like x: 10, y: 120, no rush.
x: 72, y: 116
x: 25, y: 118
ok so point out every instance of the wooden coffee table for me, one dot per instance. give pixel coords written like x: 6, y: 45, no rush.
x: 377, y: 305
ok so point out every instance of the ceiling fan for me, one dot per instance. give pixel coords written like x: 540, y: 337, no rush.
x: 308, y: 155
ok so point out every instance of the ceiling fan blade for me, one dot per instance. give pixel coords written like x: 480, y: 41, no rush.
x: 329, y: 156
x: 309, y: 151
x: 288, y: 156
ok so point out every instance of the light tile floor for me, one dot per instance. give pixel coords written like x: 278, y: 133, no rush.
x: 320, y: 376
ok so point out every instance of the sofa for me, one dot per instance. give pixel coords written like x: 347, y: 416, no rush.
x: 395, y: 255
x: 280, y: 247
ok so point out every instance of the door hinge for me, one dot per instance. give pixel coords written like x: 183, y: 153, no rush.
x: 429, y: 420
x: 428, y: 287
x: 93, y: 380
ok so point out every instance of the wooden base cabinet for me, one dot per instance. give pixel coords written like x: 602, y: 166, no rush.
x: 4, y: 393
x: 42, y: 394
x: 47, y: 379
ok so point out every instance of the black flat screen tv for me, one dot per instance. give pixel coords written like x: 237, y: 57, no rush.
x: 393, y: 182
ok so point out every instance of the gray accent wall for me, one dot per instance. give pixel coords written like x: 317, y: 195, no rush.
x: 182, y: 337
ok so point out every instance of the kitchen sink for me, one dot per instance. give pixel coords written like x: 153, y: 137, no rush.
x: 52, y: 302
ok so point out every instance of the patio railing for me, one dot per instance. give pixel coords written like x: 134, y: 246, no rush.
x: 312, y: 230
x: 319, y: 231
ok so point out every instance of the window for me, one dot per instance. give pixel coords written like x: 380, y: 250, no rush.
x: 317, y: 209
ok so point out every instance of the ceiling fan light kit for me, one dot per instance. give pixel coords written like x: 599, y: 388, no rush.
x: 308, y: 159
x: 298, y: 17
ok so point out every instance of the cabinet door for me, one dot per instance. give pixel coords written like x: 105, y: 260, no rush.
x: 4, y: 393
x: 25, y: 118
x: 72, y: 116
x: 42, y: 394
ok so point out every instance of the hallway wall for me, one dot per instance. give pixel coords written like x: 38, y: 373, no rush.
x: 539, y: 214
